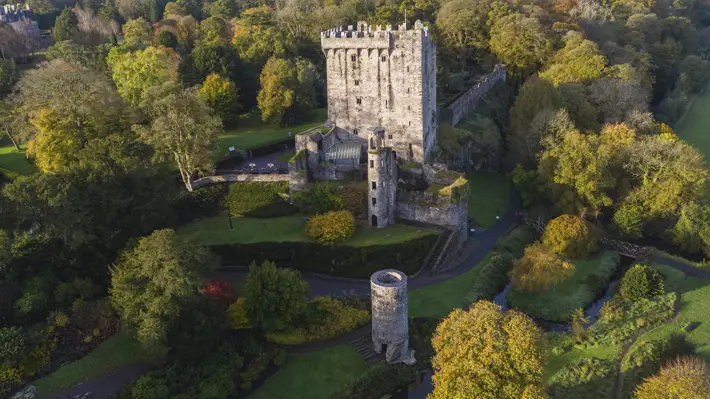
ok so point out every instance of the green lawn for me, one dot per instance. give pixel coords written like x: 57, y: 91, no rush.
x: 113, y: 354
x: 15, y: 161
x: 215, y: 230
x: 557, y: 361
x: 253, y: 133
x: 695, y: 125
x: 489, y: 194
x: 558, y: 302
x: 313, y: 375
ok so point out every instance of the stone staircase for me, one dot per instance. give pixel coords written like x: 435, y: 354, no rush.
x: 436, y: 262
x: 364, y: 347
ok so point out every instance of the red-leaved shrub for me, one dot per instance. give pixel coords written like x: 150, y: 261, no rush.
x: 219, y: 291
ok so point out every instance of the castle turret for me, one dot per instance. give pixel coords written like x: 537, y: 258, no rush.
x: 382, y: 179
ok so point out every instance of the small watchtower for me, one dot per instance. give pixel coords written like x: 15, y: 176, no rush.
x: 390, y: 322
x: 382, y: 179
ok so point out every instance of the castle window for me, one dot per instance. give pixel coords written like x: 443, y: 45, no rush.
x: 357, y: 83
x: 407, y: 90
x: 384, y: 58
x: 386, y: 103
x: 374, y: 201
x: 356, y: 133
x: 353, y: 58
x: 358, y: 100
x: 407, y: 69
x: 410, y: 124
x: 374, y: 185
x: 389, y: 136
x: 372, y: 164
x: 409, y: 107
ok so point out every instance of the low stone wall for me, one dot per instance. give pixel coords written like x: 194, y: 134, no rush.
x: 453, y: 216
x: 206, y: 181
x: 467, y: 101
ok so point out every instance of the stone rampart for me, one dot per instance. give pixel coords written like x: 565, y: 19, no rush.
x: 206, y: 181
x: 450, y: 211
x: 467, y: 101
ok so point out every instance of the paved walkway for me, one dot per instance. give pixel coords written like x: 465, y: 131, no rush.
x: 108, y: 385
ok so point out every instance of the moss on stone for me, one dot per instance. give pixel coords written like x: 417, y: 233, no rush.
x: 296, y: 156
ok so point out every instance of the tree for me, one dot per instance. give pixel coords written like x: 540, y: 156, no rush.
x: 132, y: 9
x: 577, y: 324
x: 224, y: 8
x: 520, y: 41
x: 66, y: 26
x: 539, y: 269
x: 69, y: 107
x: 287, y: 90
x: 616, y: 98
x: 212, y: 57
x: 465, y: 24
x: 171, y: 8
x: 219, y: 291
x: 221, y: 95
x: 640, y: 282
x: 471, y: 343
x: 274, y: 297
x: 185, y: 130
x: 136, y: 31
x: 8, y: 76
x: 578, y: 62
x: 257, y: 37
x: 692, y: 230
x: 694, y: 74
x: 215, y: 29
x: 570, y: 236
x: 684, y: 377
x: 167, y: 39
x: 134, y: 72
x: 152, y: 282
x: 76, y: 54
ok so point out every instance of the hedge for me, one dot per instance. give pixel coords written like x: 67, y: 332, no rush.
x: 245, y: 198
x: 343, y: 261
x: 202, y: 202
x: 492, y: 278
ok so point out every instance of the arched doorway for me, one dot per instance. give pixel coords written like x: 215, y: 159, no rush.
x: 374, y: 220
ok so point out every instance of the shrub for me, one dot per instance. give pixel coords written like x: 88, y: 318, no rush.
x: 237, y: 316
x: 641, y: 281
x: 332, y: 227
x: 492, y: 277
x: 570, y: 236
x: 66, y: 293
x: 274, y: 297
x: 354, y: 200
x: 685, y: 377
x: 219, y: 291
x: 201, y: 202
x: 13, y: 346
x: 539, y: 269
x: 334, y: 319
x: 587, y: 379
x: 335, y: 260
x: 250, y: 196
x: 318, y: 199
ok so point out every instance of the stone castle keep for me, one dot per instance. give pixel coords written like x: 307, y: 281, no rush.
x: 382, y: 114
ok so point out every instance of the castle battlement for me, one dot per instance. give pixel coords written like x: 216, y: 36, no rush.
x: 376, y: 36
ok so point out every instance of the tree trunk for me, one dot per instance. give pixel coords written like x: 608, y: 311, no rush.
x: 17, y: 147
x: 183, y: 173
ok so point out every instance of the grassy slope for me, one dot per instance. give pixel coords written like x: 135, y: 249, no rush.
x: 215, y: 230
x: 488, y: 196
x: 695, y: 125
x: 253, y: 133
x: 313, y: 375
x: 15, y: 161
x: 113, y: 354
x: 563, y: 298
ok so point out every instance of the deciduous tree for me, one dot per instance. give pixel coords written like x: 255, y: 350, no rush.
x: 134, y: 72
x: 520, y: 41
x: 684, y: 377
x: 66, y: 25
x: 488, y: 354
x: 221, y: 95
x: 136, y: 31
x: 287, y: 90
x: 578, y: 62
x: 539, y: 269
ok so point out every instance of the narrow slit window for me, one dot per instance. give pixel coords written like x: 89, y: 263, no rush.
x: 384, y: 58
x: 372, y: 164
x: 353, y: 58
x: 389, y: 136
x: 407, y: 89
x: 409, y: 107
x: 356, y: 133
x: 358, y: 100
x: 407, y: 67
x: 374, y: 185
x: 357, y: 83
x: 374, y: 201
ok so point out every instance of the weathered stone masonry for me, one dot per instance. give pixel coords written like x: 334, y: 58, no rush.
x: 390, y: 322
x: 467, y: 101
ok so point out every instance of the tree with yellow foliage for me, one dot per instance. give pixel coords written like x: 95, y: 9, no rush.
x: 539, y: 269
x: 484, y: 353
x: 221, y: 95
x: 684, y: 377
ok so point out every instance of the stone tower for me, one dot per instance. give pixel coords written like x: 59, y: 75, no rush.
x: 390, y: 322
x: 384, y: 77
x: 382, y: 179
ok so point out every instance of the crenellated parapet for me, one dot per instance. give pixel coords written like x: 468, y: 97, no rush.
x: 370, y: 36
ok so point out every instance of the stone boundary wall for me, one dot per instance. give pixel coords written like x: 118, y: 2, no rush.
x: 467, y: 101
x: 435, y: 209
x: 206, y: 181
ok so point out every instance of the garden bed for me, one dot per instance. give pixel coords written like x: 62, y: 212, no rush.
x: 580, y: 290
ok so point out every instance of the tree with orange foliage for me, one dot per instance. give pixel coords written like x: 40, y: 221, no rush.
x: 539, y: 269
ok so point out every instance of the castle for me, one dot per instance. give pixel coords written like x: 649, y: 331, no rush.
x: 20, y: 19
x: 382, y: 114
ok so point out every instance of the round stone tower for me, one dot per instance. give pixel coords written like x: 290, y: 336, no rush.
x: 390, y: 323
x: 382, y: 179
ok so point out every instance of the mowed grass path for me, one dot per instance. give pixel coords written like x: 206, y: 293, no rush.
x: 253, y: 133
x: 695, y: 125
x: 313, y: 375
x: 114, y: 353
x: 488, y: 197
x: 15, y: 161
x: 215, y: 231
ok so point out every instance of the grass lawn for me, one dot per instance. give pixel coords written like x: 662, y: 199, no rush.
x: 559, y: 302
x: 113, y: 354
x: 695, y: 125
x: 253, y: 133
x: 557, y: 361
x: 488, y: 197
x: 313, y: 375
x: 215, y: 230
x: 15, y: 161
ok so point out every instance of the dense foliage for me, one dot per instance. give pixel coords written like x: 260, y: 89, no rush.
x: 687, y: 377
x: 539, y: 269
x: 641, y: 281
x: 332, y: 227
x: 570, y: 236
x: 247, y: 198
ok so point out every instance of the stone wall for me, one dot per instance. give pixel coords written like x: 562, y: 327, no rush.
x: 437, y: 209
x: 390, y: 321
x: 384, y: 77
x: 298, y: 171
x: 206, y: 181
x: 382, y: 181
x: 467, y: 101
